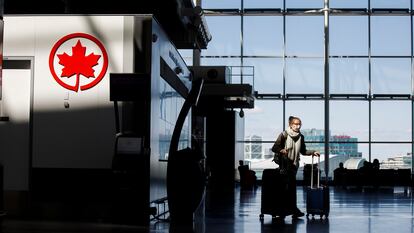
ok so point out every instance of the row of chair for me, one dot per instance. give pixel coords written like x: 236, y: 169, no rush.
x: 375, y: 178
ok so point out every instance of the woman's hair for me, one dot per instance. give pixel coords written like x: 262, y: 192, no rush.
x: 291, y: 118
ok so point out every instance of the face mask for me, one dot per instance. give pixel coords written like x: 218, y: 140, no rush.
x: 295, y: 127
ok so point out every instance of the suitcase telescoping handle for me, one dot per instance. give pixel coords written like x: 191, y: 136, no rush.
x: 319, y: 161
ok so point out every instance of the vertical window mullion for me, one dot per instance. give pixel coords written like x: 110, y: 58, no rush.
x: 369, y: 83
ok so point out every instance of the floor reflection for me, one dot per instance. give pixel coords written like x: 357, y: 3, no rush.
x: 317, y: 225
x: 372, y: 211
x: 276, y: 225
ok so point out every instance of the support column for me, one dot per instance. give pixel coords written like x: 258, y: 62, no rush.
x: 326, y: 76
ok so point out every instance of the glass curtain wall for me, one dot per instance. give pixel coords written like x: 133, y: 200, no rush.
x: 370, y: 75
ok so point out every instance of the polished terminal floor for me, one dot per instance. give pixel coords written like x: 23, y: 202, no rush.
x: 384, y: 210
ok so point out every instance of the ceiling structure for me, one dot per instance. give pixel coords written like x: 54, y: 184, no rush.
x: 182, y: 21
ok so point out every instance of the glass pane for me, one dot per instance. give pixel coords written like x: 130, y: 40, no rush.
x: 220, y: 4
x: 345, y: 124
x: 391, y: 75
x: 225, y: 31
x: 304, y: 3
x: 237, y: 72
x: 304, y: 76
x: 247, y: 72
x: 349, y: 162
x: 349, y: 75
x: 187, y: 55
x: 304, y: 36
x: 220, y: 61
x: 389, y: 40
x: 348, y: 3
x: 256, y: 148
x: 253, y: 149
x: 265, y: 120
x: 348, y: 36
x: 364, y: 149
x: 263, y: 35
x: 263, y: 3
x: 307, y: 160
x: 390, y: 4
x: 258, y: 165
x: 310, y: 112
x: 343, y: 146
x: 170, y: 104
x: 263, y: 123
x: 334, y: 157
x: 392, y: 156
x: 391, y: 121
x: 268, y: 74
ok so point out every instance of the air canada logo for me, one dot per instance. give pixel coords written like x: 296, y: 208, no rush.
x: 78, y: 61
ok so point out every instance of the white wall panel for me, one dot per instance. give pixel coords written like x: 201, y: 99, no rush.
x: 81, y: 136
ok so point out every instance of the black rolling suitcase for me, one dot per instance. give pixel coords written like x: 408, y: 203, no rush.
x: 274, y: 194
x: 317, y: 197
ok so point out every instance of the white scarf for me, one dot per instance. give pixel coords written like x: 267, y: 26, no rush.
x: 292, y: 146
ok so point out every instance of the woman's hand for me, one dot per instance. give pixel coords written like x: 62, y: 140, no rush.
x: 284, y: 151
x: 316, y: 153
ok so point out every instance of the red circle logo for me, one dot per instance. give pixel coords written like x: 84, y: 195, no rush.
x: 78, y: 55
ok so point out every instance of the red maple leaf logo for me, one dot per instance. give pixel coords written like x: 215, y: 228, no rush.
x: 78, y: 63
